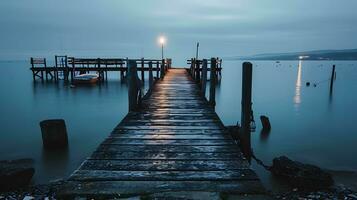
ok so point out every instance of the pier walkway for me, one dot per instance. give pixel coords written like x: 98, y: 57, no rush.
x: 175, y: 142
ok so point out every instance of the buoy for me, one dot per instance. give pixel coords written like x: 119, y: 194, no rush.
x: 307, y: 83
x: 54, y: 133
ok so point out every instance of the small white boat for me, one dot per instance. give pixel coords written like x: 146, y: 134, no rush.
x: 86, y: 79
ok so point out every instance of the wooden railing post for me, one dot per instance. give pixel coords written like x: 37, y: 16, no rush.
x: 162, y: 71
x: 193, y: 61
x: 213, y: 81
x: 157, y: 69
x: 45, y: 65
x: 197, y: 69
x: 151, y: 77
x: 142, y: 71
x: 204, y: 77
x: 134, y: 86
x: 246, y: 109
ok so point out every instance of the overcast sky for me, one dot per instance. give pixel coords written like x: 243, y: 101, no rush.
x: 129, y: 28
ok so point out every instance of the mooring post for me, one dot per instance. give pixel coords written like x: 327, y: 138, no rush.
x: 193, y: 61
x: 151, y: 77
x: 332, y: 77
x: 157, y: 69
x: 132, y: 77
x: 162, y: 71
x: 142, y: 71
x: 33, y: 70
x: 45, y: 65
x: 213, y: 78
x: 197, y: 66
x: 204, y: 77
x: 73, y: 69
x: 246, y: 109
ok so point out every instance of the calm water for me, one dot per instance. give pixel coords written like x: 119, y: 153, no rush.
x: 308, y: 123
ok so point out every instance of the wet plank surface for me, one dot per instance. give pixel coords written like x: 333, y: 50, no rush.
x: 176, y: 142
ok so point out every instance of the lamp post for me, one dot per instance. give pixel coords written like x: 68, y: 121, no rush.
x: 162, y: 41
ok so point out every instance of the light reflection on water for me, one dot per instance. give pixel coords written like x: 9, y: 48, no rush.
x: 297, y: 99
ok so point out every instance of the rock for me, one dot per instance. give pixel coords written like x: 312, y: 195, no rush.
x: 301, y: 175
x: 15, y: 173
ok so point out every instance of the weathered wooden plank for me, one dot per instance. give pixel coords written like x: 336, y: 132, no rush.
x: 166, y: 155
x: 170, y: 136
x: 114, y: 140
x: 168, y: 148
x: 169, y: 127
x: 167, y: 132
x: 122, y: 189
x: 164, y: 165
x: 103, y: 175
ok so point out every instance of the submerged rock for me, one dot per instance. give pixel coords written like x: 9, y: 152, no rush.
x: 15, y: 173
x: 301, y: 175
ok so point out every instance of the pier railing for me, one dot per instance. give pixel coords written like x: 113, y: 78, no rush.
x: 199, y: 69
x: 68, y: 67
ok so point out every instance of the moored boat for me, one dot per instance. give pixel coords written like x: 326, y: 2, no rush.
x: 86, y: 79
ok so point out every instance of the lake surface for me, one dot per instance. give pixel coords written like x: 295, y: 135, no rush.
x: 309, y: 124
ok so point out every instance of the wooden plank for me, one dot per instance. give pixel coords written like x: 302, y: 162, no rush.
x: 104, y: 175
x: 168, y: 148
x: 114, y: 140
x: 169, y: 127
x: 122, y: 189
x: 118, y: 130
x: 149, y: 155
x: 170, y: 136
x: 164, y: 165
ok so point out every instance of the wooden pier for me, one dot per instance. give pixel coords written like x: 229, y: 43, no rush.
x: 66, y: 68
x: 171, y: 140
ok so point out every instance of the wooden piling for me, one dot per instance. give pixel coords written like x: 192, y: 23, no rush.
x: 151, y: 77
x: 142, y: 71
x: 213, y: 80
x: 157, y: 69
x: 204, y: 77
x: 197, y: 69
x: 332, y: 77
x: 162, y: 70
x: 246, y: 109
x: 133, y: 86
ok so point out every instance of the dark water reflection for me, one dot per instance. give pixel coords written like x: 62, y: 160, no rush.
x: 310, y: 124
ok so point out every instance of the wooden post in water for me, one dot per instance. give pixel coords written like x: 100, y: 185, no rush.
x: 204, y: 77
x: 332, y: 77
x: 132, y: 80
x: 213, y: 80
x: 142, y: 71
x: 197, y: 69
x: 157, y: 69
x: 46, y: 73
x: 162, y: 71
x: 33, y: 71
x: 151, y: 76
x: 246, y: 109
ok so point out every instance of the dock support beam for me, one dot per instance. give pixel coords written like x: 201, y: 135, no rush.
x: 151, y: 76
x: 204, y: 77
x: 213, y: 80
x: 162, y: 70
x: 134, y: 92
x: 246, y: 109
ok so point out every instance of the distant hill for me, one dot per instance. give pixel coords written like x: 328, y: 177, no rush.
x: 348, y: 54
